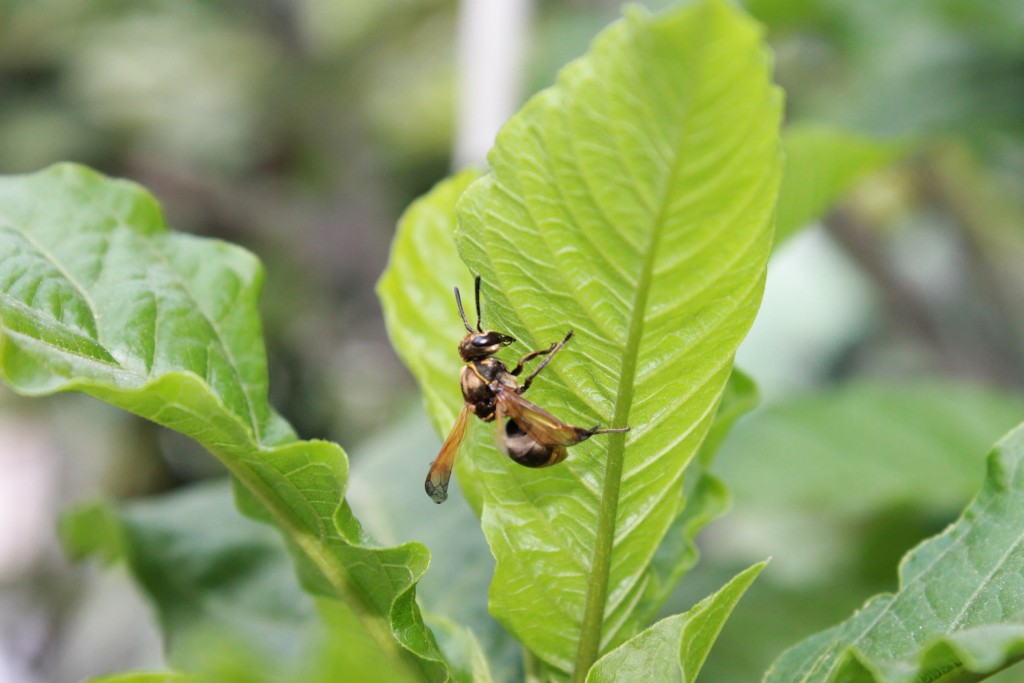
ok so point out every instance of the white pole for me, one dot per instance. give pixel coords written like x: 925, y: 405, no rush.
x: 492, y: 39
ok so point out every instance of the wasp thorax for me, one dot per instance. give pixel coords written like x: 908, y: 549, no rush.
x: 482, y: 344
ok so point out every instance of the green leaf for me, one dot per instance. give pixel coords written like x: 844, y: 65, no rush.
x: 232, y: 578
x: 681, y: 292
x: 225, y: 593
x: 677, y: 646
x: 822, y: 163
x: 140, y: 677
x: 837, y: 485
x: 423, y: 263
x: 868, y: 445
x: 97, y: 296
x: 960, y: 606
x: 632, y: 203
x: 706, y: 499
x: 384, y: 492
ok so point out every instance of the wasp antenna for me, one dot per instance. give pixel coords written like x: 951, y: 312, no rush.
x: 458, y: 300
x: 479, y: 317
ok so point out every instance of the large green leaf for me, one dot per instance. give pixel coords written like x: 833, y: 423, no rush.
x: 97, y: 296
x: 632, y: 203
x: 674, y: 123
x: 959, y: 611
x: 421, y: 313
x: 676, y: 646
x: 852, y: 450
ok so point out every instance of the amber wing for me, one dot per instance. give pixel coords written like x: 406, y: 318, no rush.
x: 440, y: 472
x: 539, y: 424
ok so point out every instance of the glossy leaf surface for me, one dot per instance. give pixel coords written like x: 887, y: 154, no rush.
x: 97, y: 296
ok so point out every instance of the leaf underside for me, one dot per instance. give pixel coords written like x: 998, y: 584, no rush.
x: 632, y: 203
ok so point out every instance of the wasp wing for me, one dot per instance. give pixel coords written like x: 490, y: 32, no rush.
x: 537, y: 423
x: 440, y: 472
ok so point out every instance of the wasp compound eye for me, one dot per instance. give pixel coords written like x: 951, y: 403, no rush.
x: 482, y: 341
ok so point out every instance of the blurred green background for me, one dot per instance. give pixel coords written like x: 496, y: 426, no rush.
x: 889, y: 349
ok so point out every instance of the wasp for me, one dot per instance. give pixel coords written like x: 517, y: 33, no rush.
x: 525, y: 432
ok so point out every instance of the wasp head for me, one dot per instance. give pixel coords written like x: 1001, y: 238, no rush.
x: 479, y: 345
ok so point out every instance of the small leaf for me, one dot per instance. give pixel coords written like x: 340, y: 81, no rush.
x: 960, y: 606
x: 822, y: 163
x: 97, y: 296
x: 677, y: 646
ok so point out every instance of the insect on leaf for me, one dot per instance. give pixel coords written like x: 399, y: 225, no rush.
x: 632, y: 203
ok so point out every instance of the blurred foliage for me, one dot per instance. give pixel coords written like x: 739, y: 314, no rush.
x: 282, y: 126
x: 302, y: 129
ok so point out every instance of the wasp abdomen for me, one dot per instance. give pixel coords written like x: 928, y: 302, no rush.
x: 527, y: 452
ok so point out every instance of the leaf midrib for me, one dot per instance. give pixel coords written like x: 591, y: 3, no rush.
x: 597, y: 593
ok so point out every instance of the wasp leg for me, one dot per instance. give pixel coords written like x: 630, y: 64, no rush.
x: 596, y: 429
x: 530, y: 356
x: 549, y: 352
